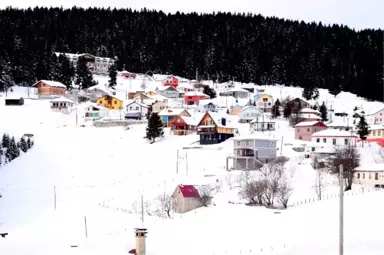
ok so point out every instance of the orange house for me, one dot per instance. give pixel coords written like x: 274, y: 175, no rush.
x: 49, y: 88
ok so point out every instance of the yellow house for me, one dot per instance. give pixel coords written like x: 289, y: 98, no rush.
x: 150, y: 93
x: 371, y: 175
x: 141, y: 96
x: 110, y: 102
x: 376, y: 134
x: 264, y: 102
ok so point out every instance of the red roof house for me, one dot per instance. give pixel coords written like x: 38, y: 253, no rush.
x: 186, y: 198
x: 171, y: 81
x: 193, y: 97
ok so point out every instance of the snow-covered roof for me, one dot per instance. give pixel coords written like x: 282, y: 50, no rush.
x: 162, y: 88
x: 217, y: 118
x: 237, y: 90
x: 250, y: 106
x: 307, y: 123
x: 52, y: 84
x: 137, y: 102
x: 309, y: 110
x: 195, y: 93
x: 61, y: 100
x: 333, y: 133
x: 88, y: 104
x: 99, y: 87
x: 310, y: 116
x: 371, y: 167
x: 194, y: 119
x: 171, y: 112
x: 376, y: 127
x: 73, y: 55
x: 253, y: 137
x: 206, y: 101
x: 263, y: 119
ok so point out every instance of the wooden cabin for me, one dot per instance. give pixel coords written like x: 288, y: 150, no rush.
x: 215, y: 128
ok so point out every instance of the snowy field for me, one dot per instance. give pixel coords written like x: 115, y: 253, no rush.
x: 73, y: 174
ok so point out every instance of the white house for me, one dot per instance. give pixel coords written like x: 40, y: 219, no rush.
x: 236, y: 93
x: 308, y: 114
x: 159, y: 106
x: 185, y: 87
x: 375, y: 117
x: 334, y: 137
x: 136, y: 110
x: 62, y: 104
x: 94, y: 111
x: 262, y: 123
x: 249, y: 113
x: 168, y: 92
x: 206, y: 105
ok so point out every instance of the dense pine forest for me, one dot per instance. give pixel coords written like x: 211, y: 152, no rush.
x: 221, y: 46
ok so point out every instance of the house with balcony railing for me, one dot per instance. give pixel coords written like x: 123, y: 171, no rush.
x: 215, y: 128
x: 250, y: 152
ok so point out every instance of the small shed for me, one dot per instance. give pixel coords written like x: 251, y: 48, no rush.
x: 14, y: 101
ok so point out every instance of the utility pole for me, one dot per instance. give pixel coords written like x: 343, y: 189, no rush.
x: 177, y: 162
x: 186, y: 163
x: 281, y: 145
x: 142, y: 210
x: 85, y: 226
x: 54, y: 197
x: 341, y: 210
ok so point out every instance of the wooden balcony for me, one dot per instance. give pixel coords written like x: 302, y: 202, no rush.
x: 204, y: 130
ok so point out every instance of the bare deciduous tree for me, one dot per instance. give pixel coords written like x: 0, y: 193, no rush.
x: 319, y: 185
x: 295, y: 119
x: 284, y: 192
x: 254, y: 192
x: 205, y: 192
x: 349, y: 157
x: 165, y: 206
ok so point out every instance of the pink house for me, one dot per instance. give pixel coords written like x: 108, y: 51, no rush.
x: 305, y: 129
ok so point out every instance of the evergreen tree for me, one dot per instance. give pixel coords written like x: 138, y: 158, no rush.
x: 310, y: 92
x: 1, y: 155
x: 362, y: 129
x: 84, y: 78
x: 323, y: 112
x: 275, y: 111
x: 23, y: 145
x: 209, y: 92
x: 12, y: 151
x: 314, y: 107
x: 6, y: 79
x: 29, y: 143
x: 112, y: 76
x: 6, y: 140
x: 154, y: 128
x: 66, y: 72
x: 287, y: 111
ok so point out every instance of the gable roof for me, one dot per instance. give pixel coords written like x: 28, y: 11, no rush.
x: 310, y: 116
x: 309, y: 124
x: 139, y: 103
x: 172, y: 112
x: 189, y: 191
x: 217, y: 117
x: 62, y: 99
x: 51, y: 83
x: 333, y: 133
x: 250, y: 106
x: 164, y: 88
x: 193, y: 120
x: 88, y: 104
x: 99, y: 87
x: 309, y: 110
x: 236, y: 89
x: 195, y: 93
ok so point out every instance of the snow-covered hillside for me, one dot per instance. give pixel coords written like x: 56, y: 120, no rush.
x: 74, y: 173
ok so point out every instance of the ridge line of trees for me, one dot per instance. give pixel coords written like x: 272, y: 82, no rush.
x: 220, y: 46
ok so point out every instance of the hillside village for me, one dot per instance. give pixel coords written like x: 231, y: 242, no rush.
x: 224, y: 139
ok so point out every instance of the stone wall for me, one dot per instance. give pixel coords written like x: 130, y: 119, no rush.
x: 117, y: 123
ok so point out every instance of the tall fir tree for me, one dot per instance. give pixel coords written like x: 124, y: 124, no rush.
x: 287, y: 111
x: 23, y: 145
x: 209, y: 92
x: 275, y: 111
x: 84, y: 78
x: 112, y: 76
x: 6, y: 140
x: 66, y: 72
x: 362, y: 129
x: 29, y: 143
x: 12, y: 151
x: 323, y: 112
x: 154, y: 128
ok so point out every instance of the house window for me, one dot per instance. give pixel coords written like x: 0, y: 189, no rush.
x: 307, y: 129
x: 377, y: 174
x: 324, y: 140
x: 298, y: 130
x: 369, y: 176
x: 334, y: 141
x: 300, y: 138
x: 345, y: 141
x: 115, y: 102
x: 358, y: 175
x: 317, y: 140
x: 131, y: 108
x: 137, y: 108
x: 238, y: 143
x: 374, y: 133
x: 363, y: 175
x: 265, y: 99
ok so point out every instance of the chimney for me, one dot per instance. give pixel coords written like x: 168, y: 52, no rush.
x: 223, y: 121
x: 141, y: 234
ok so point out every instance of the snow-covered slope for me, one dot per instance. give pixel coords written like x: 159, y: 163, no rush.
x: 99, y: 174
